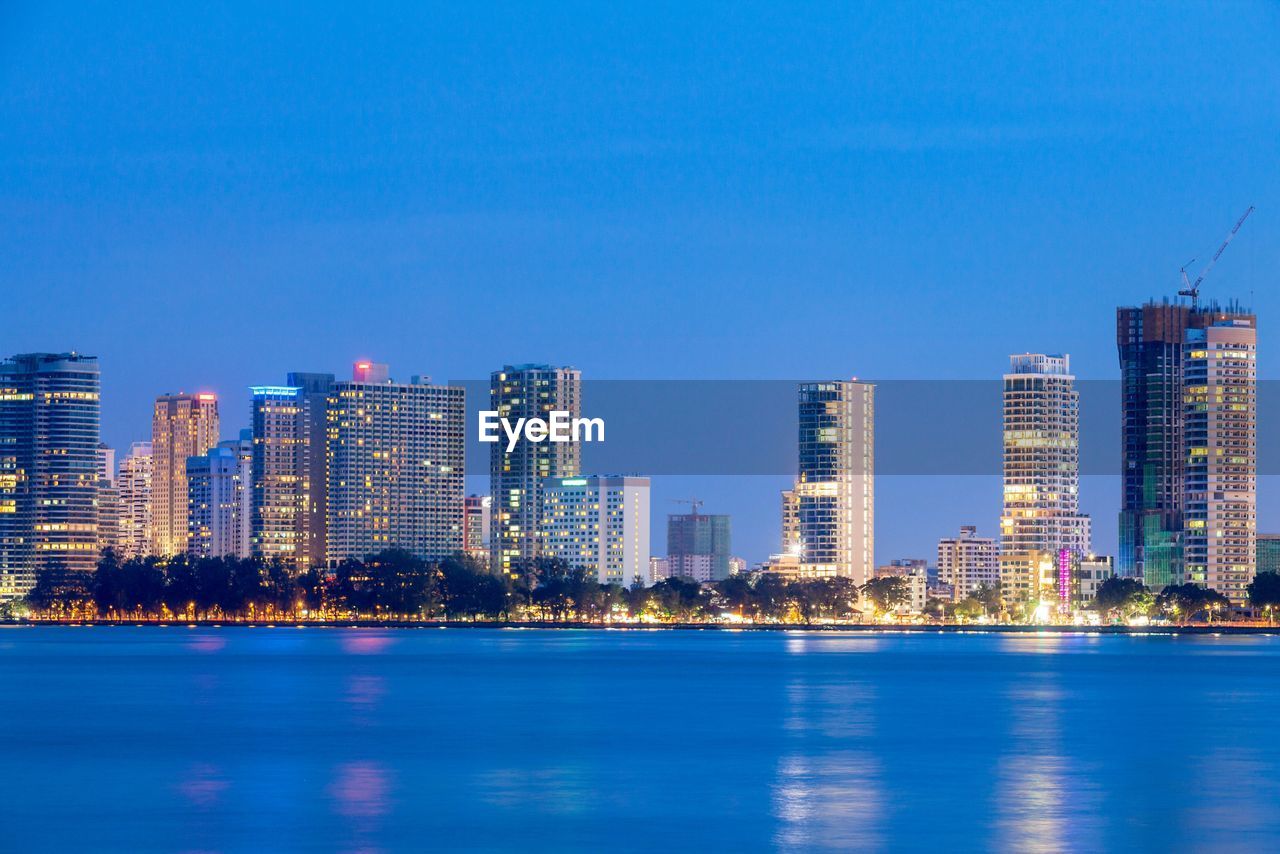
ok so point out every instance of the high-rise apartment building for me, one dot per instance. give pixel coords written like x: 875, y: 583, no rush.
x: 968, y: 562
x: 108, y: 500
x: 182, y: 426
x: 49, y: 464
x: 600, y: 524
x: 516, y: 476
x: 1041, y: 473
x: 699, y: 546
x: 835, y: 489
x: 219, y: 490
x: 477, y: 526
x: 1221, y: 412
x: 1152, y: 341
x: 395, y: 465
x: 133, y: 485
x: 290, y: 470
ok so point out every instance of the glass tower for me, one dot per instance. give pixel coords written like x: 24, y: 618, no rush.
x: 516, y: 477
x: 49, y: 467
x: 1152, y: 343
x: 835, y: 490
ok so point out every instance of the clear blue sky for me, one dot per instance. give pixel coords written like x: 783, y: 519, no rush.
x: 208, y: 199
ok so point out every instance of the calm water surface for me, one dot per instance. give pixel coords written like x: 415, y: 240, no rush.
x: 143, y: 739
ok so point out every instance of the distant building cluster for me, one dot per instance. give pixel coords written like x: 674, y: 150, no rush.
x: 333, y: 469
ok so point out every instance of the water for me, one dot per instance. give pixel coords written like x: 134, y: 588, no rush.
x: 142, y: 739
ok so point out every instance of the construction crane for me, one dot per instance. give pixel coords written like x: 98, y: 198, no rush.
x: 1192, y: 289
x: 692, y: 502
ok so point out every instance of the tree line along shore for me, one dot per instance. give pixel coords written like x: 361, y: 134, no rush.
x: 395, y: 587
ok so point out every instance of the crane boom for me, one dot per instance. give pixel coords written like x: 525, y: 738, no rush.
x: 693, y: 502
x: 1193, y: 289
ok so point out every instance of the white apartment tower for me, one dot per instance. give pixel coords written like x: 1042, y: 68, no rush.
x: 1041, y: 473
x: 1221, y: 411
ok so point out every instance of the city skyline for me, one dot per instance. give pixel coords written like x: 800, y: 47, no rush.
x: 1097, y: 491
x: 993, y: 186
x: 401, y: 401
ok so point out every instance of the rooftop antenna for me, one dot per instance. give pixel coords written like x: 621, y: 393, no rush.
x: 1192, y: 289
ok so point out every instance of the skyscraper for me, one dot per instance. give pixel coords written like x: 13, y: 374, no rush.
x: 108, y: 500
x: 182, y: 426
x: 290, y: 470
x: 1152, y: 341
x: 516, y: 477
x: 49, y: 463
x: 968, y: 562
x: 1221, y: 409
x: 1041, y: 474
x: 134, y: 487
x: 600, y: 524
x: 219, y: 486
x: 699, y: 546
x: 835, y: 490
x: 395, y: 466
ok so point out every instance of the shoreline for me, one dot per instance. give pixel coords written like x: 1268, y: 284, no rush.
x: 929, y: 628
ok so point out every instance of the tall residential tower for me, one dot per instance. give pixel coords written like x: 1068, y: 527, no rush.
x: 1221, y: 410
x: 516, y: 477
x: 290, y: 470
x: 395, y: 466
x: 1154, y: 344
x: 182, y: 426
x: 835, y: 489
x: 1041, y: 521
x: 49, y: 467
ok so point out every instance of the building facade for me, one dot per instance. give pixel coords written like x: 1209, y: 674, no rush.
x: 290, y: 470
x: 1221, y: 412
x: 516, y: 476
x: 1152, y: 342
x: 395, y: 466
x: 1267, y: 553
x: 968, y: 562
x: 133, y: 485
x: 1041, y: 462
x: 477, y: 525
x: 790, y: 521
x: 915, y: 574
x: 108, y: 500
x: 182, y: 426
x: 699, y: 546
x: 49, y: 467
x: 600, y: 524
x: 219, y: 492
x: 1091, y: 571
x: 835, y: 489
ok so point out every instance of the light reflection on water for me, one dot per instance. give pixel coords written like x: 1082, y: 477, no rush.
x: 240, y: 739
x: 827, y: 793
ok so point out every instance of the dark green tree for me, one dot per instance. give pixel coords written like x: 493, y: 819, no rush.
x: 1184, y: 602
x: 887, y: 592
x: 1264, y: 593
